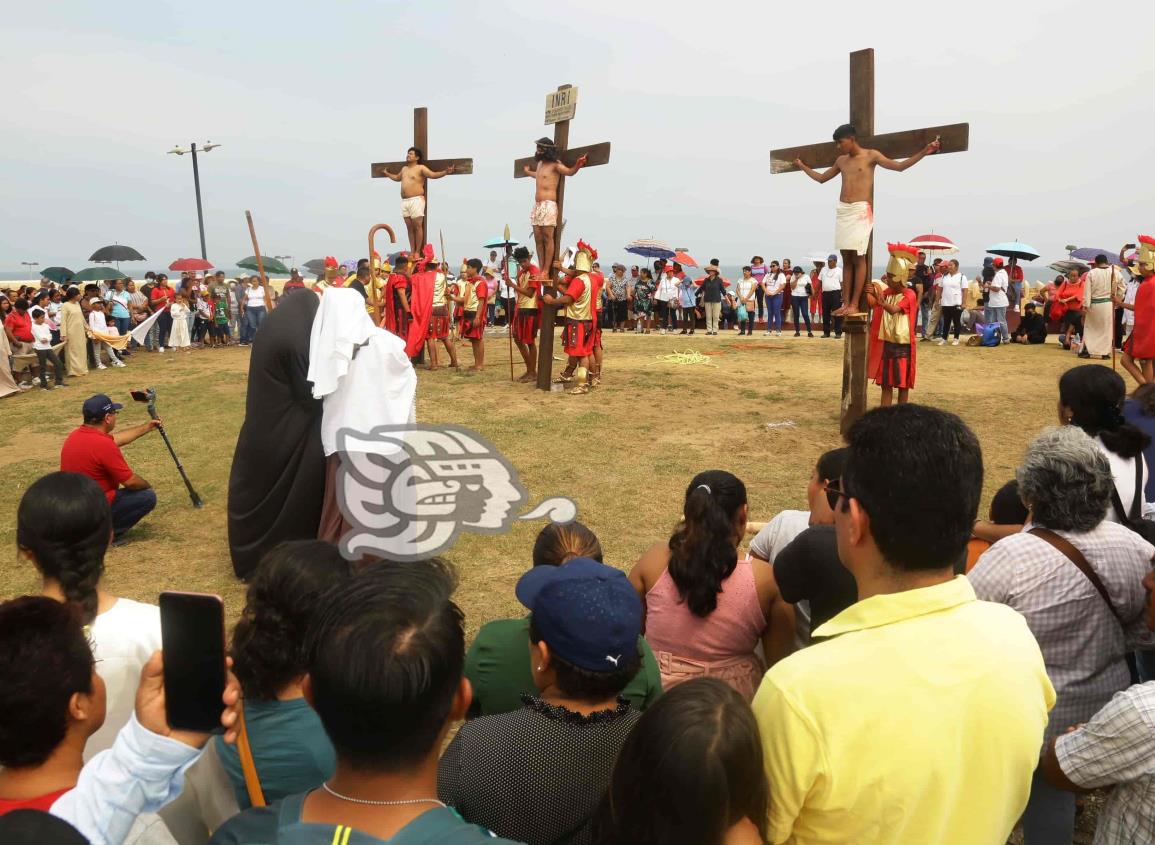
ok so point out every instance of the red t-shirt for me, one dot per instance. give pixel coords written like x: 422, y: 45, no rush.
x: 21, y: 325
x: 89, y: 451
x: 43, y: 803
x: 161, y: 297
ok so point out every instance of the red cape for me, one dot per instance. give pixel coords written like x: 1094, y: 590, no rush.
x: 420, y: 309
x: 1142, y: 345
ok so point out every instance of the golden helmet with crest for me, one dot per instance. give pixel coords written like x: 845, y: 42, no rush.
x: 586, y: 255
x: 903, y: 259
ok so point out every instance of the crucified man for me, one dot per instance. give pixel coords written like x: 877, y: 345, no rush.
x: 549, y: 171
x: 855, y: 217
x: 412, y: 176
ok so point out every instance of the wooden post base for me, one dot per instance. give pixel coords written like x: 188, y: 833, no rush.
x: 854, y: 357
x: 545, y: 340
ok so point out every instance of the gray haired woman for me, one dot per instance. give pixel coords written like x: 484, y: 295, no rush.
x: 1066, y: 482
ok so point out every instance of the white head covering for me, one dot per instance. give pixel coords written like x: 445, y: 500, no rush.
x: 341, y: 325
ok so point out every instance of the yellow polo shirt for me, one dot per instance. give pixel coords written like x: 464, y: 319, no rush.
x: 919, y: 721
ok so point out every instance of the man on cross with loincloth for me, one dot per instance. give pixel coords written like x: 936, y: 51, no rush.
x: 412, y: 177
x: 544, y: 216
x: 855, y: 217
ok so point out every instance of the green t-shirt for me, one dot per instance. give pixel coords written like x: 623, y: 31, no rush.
x: 281, y: 824
x: 290, y: 750
x: 221, y: 312
x: 497, y: 666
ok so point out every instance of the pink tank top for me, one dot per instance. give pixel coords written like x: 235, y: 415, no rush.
x: 731, y: 631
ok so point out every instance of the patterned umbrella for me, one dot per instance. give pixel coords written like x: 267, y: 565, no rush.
x: 685, y: 259
x: 650, y: 248
x: 934, y: 243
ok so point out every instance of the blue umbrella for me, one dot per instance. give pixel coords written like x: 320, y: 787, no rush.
x: 1014, y: 249
x: 1088, y: 254
x: 650, y: 248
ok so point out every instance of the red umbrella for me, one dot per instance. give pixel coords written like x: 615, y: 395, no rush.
x: 934, y: 243
x: 685, y: 259
x: 190, y: 264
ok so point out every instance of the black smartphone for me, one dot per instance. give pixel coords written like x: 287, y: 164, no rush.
x: 192, y: 629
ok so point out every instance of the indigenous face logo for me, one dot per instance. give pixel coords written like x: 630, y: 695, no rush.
x: 408, y: 491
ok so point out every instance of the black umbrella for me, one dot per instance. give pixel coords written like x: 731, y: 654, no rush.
x: 116, y: 252
x: 316, y: 266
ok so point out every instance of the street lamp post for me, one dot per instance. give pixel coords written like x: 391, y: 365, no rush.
x: 208, y: 147
x: 283, y: 257
x: 30, y: 264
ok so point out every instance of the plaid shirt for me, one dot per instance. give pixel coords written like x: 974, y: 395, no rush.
x: 1082, y: 643
x: 1118, y: 747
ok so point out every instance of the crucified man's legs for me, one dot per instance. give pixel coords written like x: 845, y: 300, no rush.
x: 543, y: 236
x: 418, y: 235
x: 855, y: 271
x: 411, y: 226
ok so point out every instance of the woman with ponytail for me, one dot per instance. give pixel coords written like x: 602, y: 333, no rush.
x: 1091, y: 398
x: 291, y: 752
x: 706, y: 609
x: 496, y: 664
x: 63, y: 527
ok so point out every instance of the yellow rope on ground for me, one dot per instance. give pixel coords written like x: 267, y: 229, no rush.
x: 683, y: 359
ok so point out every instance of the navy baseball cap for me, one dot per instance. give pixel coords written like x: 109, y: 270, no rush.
x: 99, y: 405
x: 589, y: 613
x: 832, y: 257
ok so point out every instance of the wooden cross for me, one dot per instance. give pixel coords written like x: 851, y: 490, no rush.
x: 596, y: 154
x: 462, y: 166
x: 954, y: 138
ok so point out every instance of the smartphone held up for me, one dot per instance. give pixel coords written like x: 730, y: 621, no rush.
x: 192, y: 627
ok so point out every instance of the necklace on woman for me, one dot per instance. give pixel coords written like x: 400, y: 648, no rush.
x: 399, y: 803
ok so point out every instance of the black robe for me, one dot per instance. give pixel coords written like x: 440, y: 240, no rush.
x: 277, y: 483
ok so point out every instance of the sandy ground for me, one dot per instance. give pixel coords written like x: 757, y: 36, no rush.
x: 624, y: 453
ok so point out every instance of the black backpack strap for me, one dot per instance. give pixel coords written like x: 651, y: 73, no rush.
x: 1137, y: 500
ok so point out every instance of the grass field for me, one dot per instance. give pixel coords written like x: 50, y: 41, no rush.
x: 624, y: 453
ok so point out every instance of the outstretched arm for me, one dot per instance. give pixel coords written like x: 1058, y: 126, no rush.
x: 566, y: 170
x: 437, y: 174
x: 396, y: 177
x: 820, y: 178
x: 525, y: 168
x: 907, y: 163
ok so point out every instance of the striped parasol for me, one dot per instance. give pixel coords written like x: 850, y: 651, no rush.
x: 934, y: 243
x: 650, y: 248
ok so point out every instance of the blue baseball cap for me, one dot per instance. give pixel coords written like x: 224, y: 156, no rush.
x: 95, y: 407
x: 589, y: 613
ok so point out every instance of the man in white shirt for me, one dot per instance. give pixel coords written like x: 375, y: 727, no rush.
x: 949, y: 292
x: 997, y: 301
x: 830, y: 278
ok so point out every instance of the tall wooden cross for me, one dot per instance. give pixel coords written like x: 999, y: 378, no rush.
x: 462, y: 166
x: 955, y: 138
x: 560, y: 108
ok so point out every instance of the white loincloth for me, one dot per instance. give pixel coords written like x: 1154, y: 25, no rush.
x: 853, y: 224
x: 412, y: 208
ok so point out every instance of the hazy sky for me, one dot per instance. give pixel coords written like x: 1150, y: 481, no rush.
x: 303, y: 97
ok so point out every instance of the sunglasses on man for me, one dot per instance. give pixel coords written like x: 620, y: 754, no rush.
x: 834, y: 492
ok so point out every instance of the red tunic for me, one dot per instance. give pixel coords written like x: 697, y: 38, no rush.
x: 892, y: 364
x: 1141, y: 344
x: 598, y: 281
x: 527, y: 312
x: 579, y: 334
x: 473, y: 321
